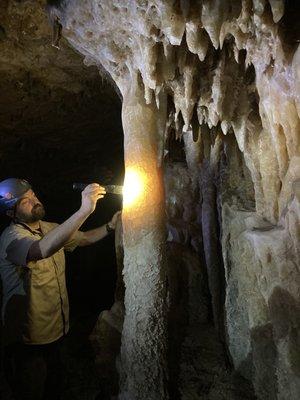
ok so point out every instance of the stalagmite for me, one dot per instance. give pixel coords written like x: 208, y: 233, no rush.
x: 143, y: 352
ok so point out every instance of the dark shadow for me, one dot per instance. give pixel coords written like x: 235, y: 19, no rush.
x: 177, y: 285
x: 264, y: 357
x: 15, y: 318
x: 285, y: 318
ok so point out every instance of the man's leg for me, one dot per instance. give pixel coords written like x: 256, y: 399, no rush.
x: 53, y: 384
x: 9, y: 367
x: 31, y: 371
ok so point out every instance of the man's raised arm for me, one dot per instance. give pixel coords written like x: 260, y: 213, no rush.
x: 59, y: 236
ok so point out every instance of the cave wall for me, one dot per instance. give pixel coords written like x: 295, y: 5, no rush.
x: 227, y: 72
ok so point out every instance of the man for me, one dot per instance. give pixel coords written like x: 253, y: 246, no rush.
x: 35, y: 309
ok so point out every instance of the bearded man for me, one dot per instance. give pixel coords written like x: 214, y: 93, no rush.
x: 35, y: 308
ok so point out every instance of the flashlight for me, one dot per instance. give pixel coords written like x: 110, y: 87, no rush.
x: 113, y: 189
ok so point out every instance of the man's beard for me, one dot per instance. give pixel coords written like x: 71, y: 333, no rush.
x: 37, y: 213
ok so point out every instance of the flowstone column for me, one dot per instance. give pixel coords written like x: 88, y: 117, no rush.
x: 143, y: 349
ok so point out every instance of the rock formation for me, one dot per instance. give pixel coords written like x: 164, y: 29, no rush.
x: 211, y: 107
x: 227, y: 73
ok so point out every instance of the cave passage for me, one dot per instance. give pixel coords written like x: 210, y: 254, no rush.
x: 194, y: 107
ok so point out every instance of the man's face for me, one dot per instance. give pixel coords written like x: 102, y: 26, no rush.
x: 29, y: 209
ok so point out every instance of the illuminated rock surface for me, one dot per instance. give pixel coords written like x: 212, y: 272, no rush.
x: 224, y: 78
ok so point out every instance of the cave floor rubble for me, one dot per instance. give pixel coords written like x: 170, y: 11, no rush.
x: 204, y: 372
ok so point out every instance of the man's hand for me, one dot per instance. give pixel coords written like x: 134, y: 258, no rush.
x: 93, y: 235
x: 90, y: 195
x: 114, y: 219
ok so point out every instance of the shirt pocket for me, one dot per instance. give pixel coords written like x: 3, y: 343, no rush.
x: 43, y: 273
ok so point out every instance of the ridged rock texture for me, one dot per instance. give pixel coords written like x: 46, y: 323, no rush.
x: 222, y: 77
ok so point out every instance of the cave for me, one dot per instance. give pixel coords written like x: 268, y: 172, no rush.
x: 193, y: 106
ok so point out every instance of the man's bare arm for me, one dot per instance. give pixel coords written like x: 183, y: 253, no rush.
x: 59, y: 236
x: 94, y: 235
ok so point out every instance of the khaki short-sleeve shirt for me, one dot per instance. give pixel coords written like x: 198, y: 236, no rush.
x: 35, y: 305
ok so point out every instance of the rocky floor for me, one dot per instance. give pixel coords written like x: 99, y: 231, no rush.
x: 205, y: 374
x: 90, y: 372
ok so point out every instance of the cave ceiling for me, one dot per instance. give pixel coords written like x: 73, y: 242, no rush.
x: 50, y: 102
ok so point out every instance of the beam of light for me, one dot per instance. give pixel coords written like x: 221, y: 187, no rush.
x: 134, y: 186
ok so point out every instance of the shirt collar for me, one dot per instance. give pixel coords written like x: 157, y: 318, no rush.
x: 34, y: 231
